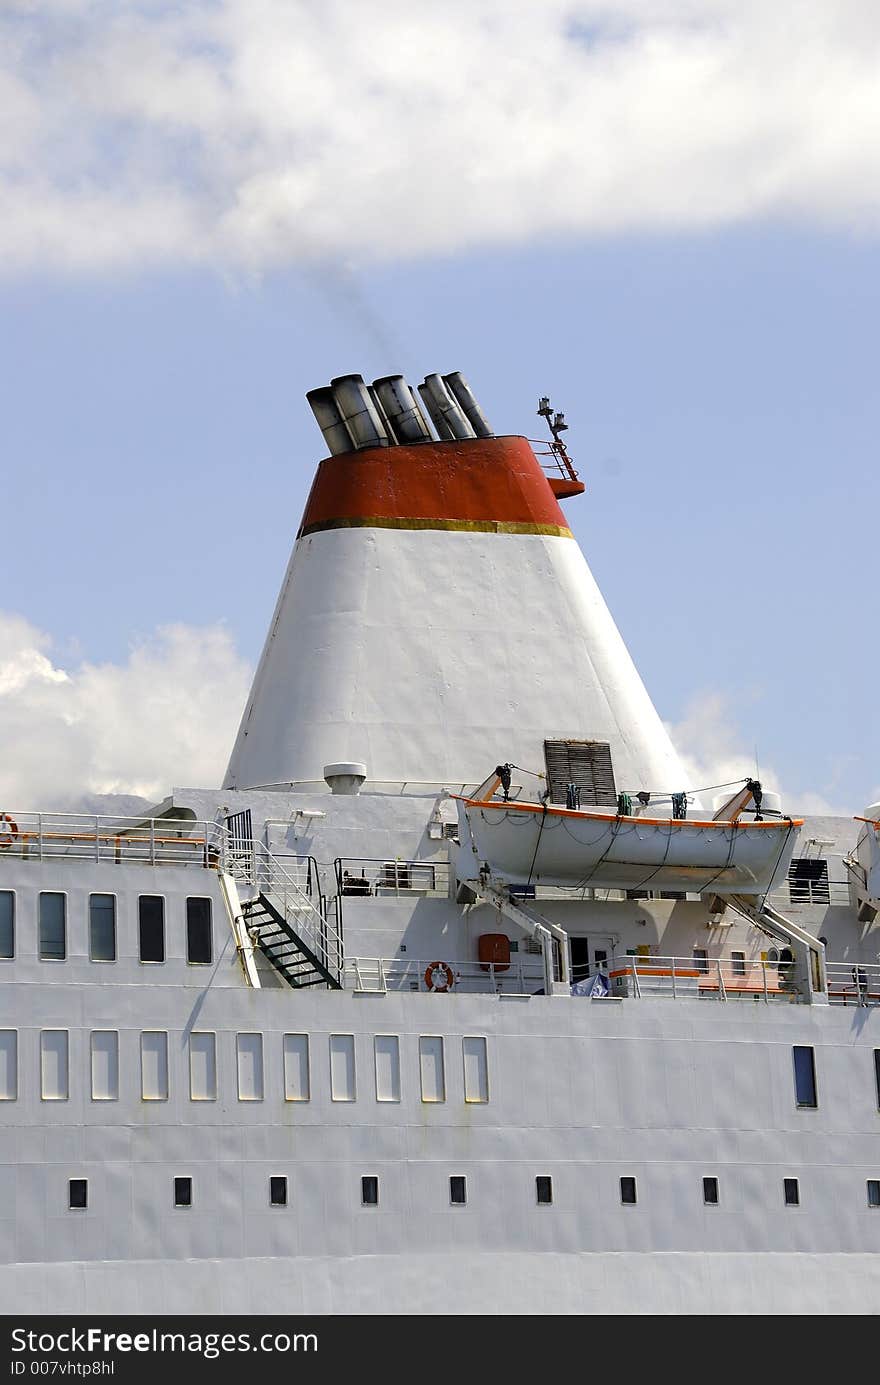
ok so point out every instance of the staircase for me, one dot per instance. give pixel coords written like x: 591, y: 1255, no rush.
x: 293, y: 935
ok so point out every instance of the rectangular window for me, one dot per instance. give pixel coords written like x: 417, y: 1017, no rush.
x: 805, y: 1076
x: 387, y: 1049
x: 7, y: 923
x: 249, y: 1048
x: 874, y: 1192
x: 628, y: 1190
x: 183, y: 1192
x: 102, y: 928
x: 278, y: 1191
x: 433, y: 1077
x: 78, y: 1194
x: 370, y: 1191
x: 877, y: 1074
x: 792, y: 1192
x: 8, y: 1065
x: 199, y: 946
x: 544, y: 1190
x: 154, y: 1066
x: 458, y: 1190
x: 105, y: 1065
x: 151, y: 928
x: 739, y: 963
x: 54, y: 1076
x: 710, y: 1192
x: 202, y: 1067
x: 808, y: 881
x: 701, y: 959
x: 53, y: 927
x: 296, y: 1067
x: 580, y: 770
x: 476, y: 1070
x: 342, y: 1077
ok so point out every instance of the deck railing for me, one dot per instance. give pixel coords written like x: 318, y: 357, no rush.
x: 853, y: 983
x: 380, y: 876
x: 523, y: 976
x: 122, y: 840
x: 701, y: 978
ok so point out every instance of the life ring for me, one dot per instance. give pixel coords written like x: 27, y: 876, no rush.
x: 8, y: 831
x: 439, y: 977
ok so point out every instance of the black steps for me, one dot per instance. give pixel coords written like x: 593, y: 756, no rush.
x: 286, y: 951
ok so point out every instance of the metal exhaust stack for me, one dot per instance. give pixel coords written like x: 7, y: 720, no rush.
x: 353, y: 400
x: 330, y: 421
x: 461, y: 391
x: 447, y: 414
x: 402, y: 409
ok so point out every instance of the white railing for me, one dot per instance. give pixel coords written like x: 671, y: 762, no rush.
x: 853, y: 983
x: 810, y: 894
x: 30, y: 836
x: 523, y: 976
x: 724, y: 978
x: 254, y: 868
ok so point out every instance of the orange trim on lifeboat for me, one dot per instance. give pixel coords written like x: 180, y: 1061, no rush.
x: 617, y: 817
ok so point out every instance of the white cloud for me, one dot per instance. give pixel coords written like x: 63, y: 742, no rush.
x: 251, y: 132
x: 712, y: 748
x: 166, y: 716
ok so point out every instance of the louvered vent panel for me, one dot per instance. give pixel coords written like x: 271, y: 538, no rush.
x: 584, y: 763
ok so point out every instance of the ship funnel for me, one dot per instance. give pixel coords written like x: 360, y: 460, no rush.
x: 461, y: 391
x: 402, y: 410
x: 354, y: 402
x: 447, y: 414
x: 330, y: 421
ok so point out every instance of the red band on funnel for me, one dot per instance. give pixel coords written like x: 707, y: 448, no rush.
x: 484, y: 484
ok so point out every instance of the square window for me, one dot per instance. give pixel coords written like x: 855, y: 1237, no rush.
x: 102, y: 928
x: 370, y: 1191
x: 458, y: 1190
x: 151, y: 928
x: 877, y: 1074
x: 805, y: 1076
x: 183, y: 1192
x: 628, y: 1190
x: 710, y: 1192
x: 792, y: 1192
x: 544, y: 1189
x: 278, y: 1191
x: 78, y: 1194
x: 199, y: 945
x: 53, y: 927
x: 874, y: 1192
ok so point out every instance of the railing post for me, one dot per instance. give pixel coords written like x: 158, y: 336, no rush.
x: 764, y: 970
x: 40, y: 832
x: 152, y: 841
x: 674, y: 991
x: 97, y: 844
x: 722, y: 994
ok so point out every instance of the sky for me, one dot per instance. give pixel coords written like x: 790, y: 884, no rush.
x: 665, y: 214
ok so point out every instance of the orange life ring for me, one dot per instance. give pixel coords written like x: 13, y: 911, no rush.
x: 431, y: 979
x: 8, y: 831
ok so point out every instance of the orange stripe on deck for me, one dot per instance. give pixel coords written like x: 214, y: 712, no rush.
x: 488, y: 485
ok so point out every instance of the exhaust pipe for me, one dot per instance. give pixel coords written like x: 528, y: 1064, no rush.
x: 461, y: 391
x: 447, y: 414
x: 402, y: 409
x: 330, y: 421
x: 353, y: 400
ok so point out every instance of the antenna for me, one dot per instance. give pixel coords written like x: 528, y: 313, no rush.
x: 557, y: 424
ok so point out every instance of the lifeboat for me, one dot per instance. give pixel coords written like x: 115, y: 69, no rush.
x: 536, y: 843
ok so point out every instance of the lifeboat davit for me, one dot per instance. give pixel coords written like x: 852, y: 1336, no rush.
x: 535, y: 843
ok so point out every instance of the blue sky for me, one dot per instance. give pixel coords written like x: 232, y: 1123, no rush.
x: 713, y: 343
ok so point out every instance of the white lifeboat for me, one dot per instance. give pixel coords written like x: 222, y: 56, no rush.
x: 535, y: 843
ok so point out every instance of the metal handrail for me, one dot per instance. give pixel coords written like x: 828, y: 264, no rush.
x: 252, y: 863
x: 116, y: 838
x: 524, y: 975
x: 364, y: 875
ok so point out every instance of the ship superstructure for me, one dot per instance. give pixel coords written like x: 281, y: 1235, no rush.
x: 457, y: 996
